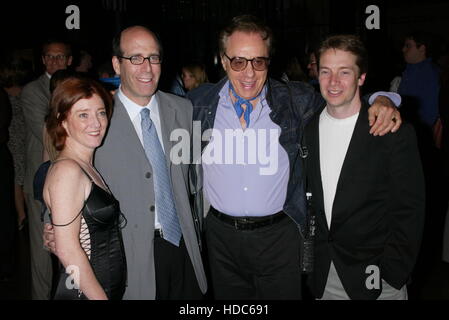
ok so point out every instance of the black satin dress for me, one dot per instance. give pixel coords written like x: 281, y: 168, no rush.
x: 101, y: 221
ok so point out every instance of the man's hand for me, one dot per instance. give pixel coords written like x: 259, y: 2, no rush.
x: 49, y: 238
x: 383, y: 117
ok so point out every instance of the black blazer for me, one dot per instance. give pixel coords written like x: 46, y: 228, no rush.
x: 378, y: 210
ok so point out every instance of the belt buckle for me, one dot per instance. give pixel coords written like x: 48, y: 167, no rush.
x: 244, y: 224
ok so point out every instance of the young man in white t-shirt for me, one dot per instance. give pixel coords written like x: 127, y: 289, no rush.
x: 367, y: 191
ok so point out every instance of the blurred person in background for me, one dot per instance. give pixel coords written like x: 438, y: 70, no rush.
x: 193, y: 75
x: 14, y: 74
x: 34, y: 100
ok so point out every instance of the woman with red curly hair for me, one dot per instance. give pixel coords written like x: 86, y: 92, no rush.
x: 85, y: 215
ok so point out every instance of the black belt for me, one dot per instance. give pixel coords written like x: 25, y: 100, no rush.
x: 248, y: 223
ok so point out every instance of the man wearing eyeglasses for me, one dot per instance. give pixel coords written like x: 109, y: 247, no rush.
x: 160, y: 238
x: 256, y: 217
x: 35, y: 97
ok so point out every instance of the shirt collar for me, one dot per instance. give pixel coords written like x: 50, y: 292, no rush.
x: 224, y: 94
x: 133, y: 108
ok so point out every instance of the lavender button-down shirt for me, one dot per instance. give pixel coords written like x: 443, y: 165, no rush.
x: 245, y: 172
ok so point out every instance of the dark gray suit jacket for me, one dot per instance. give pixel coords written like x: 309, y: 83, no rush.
x: 123, y: 164
x: 34, y: 99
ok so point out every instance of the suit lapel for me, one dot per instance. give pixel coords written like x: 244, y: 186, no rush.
x: 357, y: 147
x: 45, y: 83
x: 167, y: 114
x: 313, y: 163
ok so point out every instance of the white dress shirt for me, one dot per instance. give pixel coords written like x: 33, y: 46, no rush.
x: 134, y: 110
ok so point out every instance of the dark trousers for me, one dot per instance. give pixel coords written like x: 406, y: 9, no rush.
x: 175, y: 277
x: 260, y: 264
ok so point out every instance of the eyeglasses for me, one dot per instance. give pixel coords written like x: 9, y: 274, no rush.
x: 240, y: 63
x: 58, y: 57
x: 137, y: 60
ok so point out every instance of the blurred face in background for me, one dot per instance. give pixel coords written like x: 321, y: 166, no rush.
x: 313, y: 67
x: 85, y: 63
x: 188, y: 79
x: 56, y: 57
x: 412, y: 52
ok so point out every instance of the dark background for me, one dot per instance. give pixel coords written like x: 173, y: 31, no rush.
x: 189, y: 28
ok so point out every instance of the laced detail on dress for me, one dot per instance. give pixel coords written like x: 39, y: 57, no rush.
x: 85, y: 237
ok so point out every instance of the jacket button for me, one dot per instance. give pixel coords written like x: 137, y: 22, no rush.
x: 330, y: 239
x: 148, y: 175
x: 152, y: 208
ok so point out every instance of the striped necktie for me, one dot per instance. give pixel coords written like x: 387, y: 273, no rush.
x: 171, y: 230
